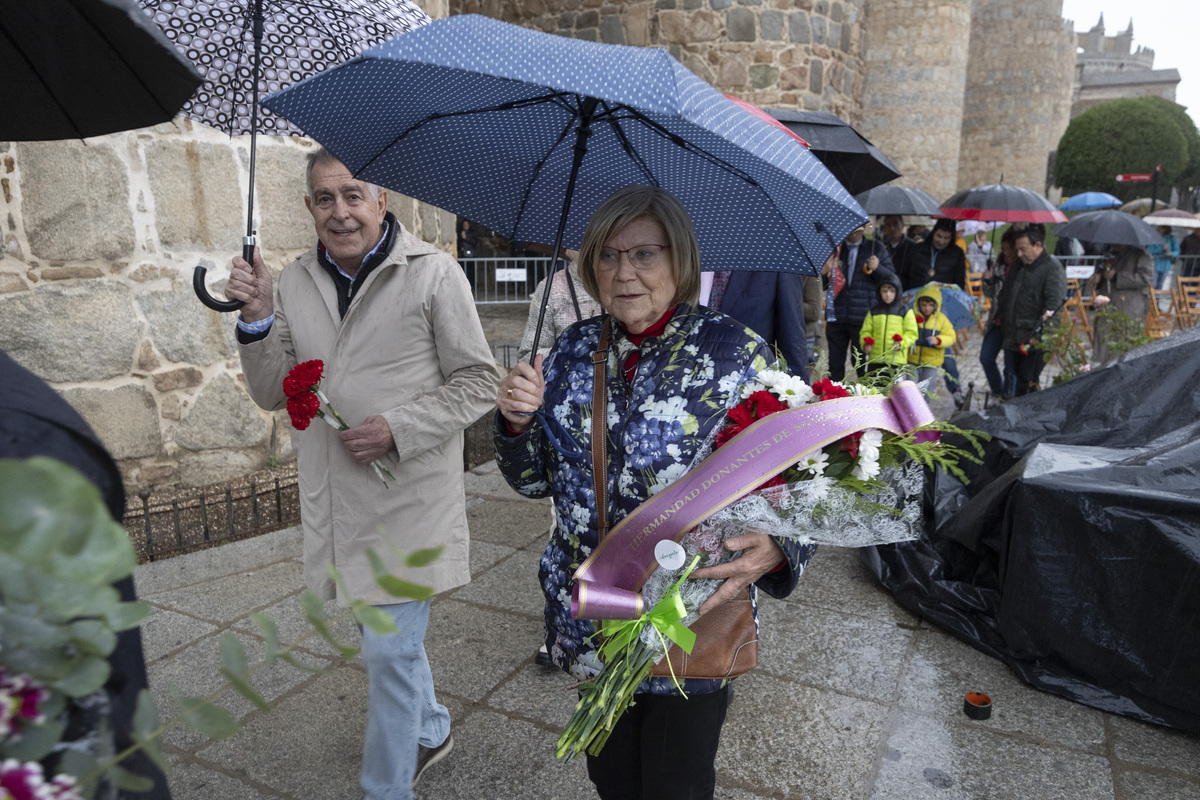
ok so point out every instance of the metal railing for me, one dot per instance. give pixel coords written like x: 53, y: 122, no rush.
x: 504, y: 280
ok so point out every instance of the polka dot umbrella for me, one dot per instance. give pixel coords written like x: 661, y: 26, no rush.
x: 527, y: 133
x: 246, y: 46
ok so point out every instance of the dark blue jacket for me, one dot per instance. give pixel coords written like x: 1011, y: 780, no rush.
x: 772, y: 305
x: 860, y: 294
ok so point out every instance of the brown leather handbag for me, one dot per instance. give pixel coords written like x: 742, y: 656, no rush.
x: 726, y: 637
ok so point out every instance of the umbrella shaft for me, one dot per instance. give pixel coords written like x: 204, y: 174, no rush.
x: 258, y: 37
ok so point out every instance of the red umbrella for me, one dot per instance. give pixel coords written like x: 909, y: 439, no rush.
x: 998, y: 202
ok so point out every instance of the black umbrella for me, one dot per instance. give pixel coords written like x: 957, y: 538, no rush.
x: 78, y: 68
x: 1109, y: 227
x: 244, y: 46
x: 898, y: 200
x: 854, y: 161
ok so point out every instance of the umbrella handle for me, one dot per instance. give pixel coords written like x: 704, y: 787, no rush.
x: 207, y: 299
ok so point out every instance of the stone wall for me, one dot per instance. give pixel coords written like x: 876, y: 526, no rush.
x: 99, y: 242
x: 1018, y: 97
x: 777, y: 53
x: 915, y: 67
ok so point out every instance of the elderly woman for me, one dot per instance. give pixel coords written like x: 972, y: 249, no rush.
x: 673, y: 371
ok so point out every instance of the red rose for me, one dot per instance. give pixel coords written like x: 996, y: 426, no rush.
x: 302, y: 408
x: 868, y: 341
x: 897, y: 337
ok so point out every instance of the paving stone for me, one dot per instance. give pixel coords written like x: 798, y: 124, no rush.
x: 928, y: 759
x: 1155, y: 746
x: 515, y: 524
x: 473, y: 649
x: 1158, y: 787
x: 835, y: 579
x: 484, y: 555
x: 195, y: 782
x: 292, y: 626
x: 942, y: 670
x: 254, y: 589
x: 196, y: 672
x: 831, y: 650
x: 310, y: 745
x: 787, y: 740
x: 511, y: 585
x: 166, y: 631
x: 193, y: 568
x: 544, y: 694
x: 486, y: 481
x: 498, y: 757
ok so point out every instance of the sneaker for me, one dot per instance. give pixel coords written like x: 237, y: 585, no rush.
x: 542, y: 657
x: 428, y: 756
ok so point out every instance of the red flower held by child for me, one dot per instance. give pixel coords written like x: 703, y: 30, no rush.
x: 897, y: 338
x: 868, y: 341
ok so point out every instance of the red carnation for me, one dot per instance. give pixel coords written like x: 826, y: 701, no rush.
x: 302, y: 408
x: 897, y: 337
x: 756, y: 406
x: 850, y: 444
x: 303, y: 377
x: 920, y: 319
x: 868, y: 341
x: 827, y: 390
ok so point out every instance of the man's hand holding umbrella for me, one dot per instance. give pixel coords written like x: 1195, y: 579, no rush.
x: 253, y: 286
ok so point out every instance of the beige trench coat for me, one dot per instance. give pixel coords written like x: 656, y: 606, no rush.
x: 410, y: 349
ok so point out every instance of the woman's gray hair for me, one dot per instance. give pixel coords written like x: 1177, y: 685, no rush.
x: 323, y: 156
x: 634, y: 202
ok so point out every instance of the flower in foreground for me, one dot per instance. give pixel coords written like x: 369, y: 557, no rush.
x: 20, y: 700
x: 27, y: 782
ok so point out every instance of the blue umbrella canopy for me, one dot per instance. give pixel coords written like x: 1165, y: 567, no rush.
x: 1087, y: 201
x: 527, y: 133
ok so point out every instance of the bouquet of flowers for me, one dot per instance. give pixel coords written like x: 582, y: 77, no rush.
x: 305, y: 398
x: 860, y: 490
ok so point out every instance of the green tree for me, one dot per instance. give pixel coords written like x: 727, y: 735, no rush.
x: 1119, y: 136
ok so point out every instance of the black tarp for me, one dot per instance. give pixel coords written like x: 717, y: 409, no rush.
x: 1073, y: 554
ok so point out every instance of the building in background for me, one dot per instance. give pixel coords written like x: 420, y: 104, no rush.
x: 1108, y: 68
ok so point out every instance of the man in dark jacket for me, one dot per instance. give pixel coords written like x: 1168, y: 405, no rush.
x: 772, y: 305
x: 899, y: 247
x: 1189, y: 255
x: 937, y: 258
x: 864, y: 265
x: 1034, y: 289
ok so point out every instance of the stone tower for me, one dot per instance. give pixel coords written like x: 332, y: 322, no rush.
x: 1018, y: 96
x: 915, y: 67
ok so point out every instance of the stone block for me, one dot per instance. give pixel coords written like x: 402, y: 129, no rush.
x: 214, y: 466
x: 821, y: 7
x: 69, y: 333
x: 185, y: 331
x: 70, y: 273
x: 692, y: 5
x: 12, y: 247
x: 799, y: 29
x: 847, y: 30
x: 793, y: 78
x: 157, y: 474
x: 147, y: 360
x: 669, y: 4
x: 739, y: 24
x: 763, y: 76
x: 223, y: 416
x: 125, y: 418
x: 75, y: 201
x: 587, y: 19
x: 816, y: 74
x: 197, y: 200
x: 835, y: 12
x: 181, y: 378
x: 771, y: 23
x: 611, y: 30
x: 282, y: 220
x: 732, y: 72
x: 12, y: 282
x: 820, y: 27
x: 720, y: 5
x: 680, y: 28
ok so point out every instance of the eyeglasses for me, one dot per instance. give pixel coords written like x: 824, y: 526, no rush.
x: 642, y: 256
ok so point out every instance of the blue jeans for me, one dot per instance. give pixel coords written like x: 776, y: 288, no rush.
x: 950, y: 365
x: 402, y: 711
x: 989, y: 351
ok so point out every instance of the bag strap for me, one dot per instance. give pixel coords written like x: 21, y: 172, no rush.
x: 599, y: 429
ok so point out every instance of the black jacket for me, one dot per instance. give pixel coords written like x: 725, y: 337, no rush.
x: 860, y: 292
x: 925, y: 265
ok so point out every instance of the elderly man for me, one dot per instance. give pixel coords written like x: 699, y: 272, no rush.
x: 406, y: 364
x: 1034, y: 290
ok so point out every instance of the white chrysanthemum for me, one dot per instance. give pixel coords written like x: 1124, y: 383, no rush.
x: 814, y: 463
x: 867, y: 465
x: 752, y: 387
x: 771, y: 378
x: 793, y: 391
x: 816, y: 490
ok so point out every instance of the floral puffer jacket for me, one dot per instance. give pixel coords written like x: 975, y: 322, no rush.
x: 685, y: 381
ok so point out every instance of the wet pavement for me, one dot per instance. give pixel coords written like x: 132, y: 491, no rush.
x: 853, y: 698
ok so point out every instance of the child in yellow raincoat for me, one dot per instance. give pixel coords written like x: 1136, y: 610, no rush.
x: 934, y: 334
x: 889, y: 329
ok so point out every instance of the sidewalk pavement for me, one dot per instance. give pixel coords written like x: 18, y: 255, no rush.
x: 853, y: 698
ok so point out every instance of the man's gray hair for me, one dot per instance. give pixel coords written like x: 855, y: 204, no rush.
x: 323, y: 156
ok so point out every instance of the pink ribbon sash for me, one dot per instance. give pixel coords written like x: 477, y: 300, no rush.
x: 607, y: 584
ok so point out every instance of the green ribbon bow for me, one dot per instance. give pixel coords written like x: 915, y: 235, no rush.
x: 666, y: 617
